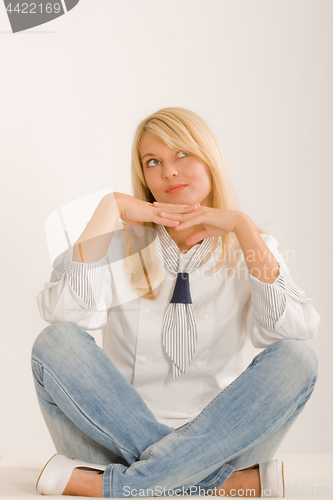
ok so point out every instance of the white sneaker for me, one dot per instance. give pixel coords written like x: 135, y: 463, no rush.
x: 57, y: 472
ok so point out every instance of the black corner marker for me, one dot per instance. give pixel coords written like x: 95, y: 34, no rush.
x: 26, y: 15
x: 70, y: 4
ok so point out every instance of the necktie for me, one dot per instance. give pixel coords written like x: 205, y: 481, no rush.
x: 179, y: 330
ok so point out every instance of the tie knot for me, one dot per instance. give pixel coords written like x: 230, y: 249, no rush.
x: 181, y: 293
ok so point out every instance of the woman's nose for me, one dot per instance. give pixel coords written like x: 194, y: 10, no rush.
x: 169, y: 170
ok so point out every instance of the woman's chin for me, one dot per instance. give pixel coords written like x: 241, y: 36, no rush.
x: 182, y: 199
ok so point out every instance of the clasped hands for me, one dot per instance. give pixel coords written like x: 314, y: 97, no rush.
x: 208, y: 222
x: 211, y: 221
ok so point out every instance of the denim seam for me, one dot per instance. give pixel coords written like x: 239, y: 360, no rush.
x: 269, y: 431
x: 222, y: 473
x: 262, y: 353
x: 257, y: 358
x: 307, y: 394
x: 79, y: 409
x: 190, y: 423
x: 45, y: 400
x: 41, y: 385
x: 151, y: 446
x: 109, y: 482
x: 274, y: 427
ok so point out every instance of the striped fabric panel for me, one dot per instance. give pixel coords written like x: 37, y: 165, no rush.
x: 179, y: 336
x: 167, y: 250
x: 201, y: 253
x: 85, y: 279
x: 286, y: 283
x: 268, y: 300
x: 267, y: 304
x: 61, y: 268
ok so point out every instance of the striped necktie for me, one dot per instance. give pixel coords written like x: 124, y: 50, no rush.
x: 179, y: 330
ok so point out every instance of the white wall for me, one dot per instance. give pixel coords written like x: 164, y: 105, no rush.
x: 72, y: 92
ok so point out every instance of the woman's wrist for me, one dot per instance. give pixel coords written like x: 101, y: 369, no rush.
x: 96, y: 237
x: 242, y: 221
x: 260, y: 260
x: 113, y: 201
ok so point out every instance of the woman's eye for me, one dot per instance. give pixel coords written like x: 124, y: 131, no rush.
x: 182, y: 153
x: 149, y: 162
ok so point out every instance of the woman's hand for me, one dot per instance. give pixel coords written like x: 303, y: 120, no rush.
x: 213, y: 221
x: 134, y: 211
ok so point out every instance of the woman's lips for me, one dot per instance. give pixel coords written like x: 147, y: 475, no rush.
x: 177, y: 189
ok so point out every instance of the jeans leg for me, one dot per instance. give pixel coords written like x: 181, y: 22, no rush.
x: 269, y: 393
x: 86, y: 401
x: 70, y: 440
x: 266, y: 449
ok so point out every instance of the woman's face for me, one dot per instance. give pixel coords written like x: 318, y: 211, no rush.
x: 164, y: 168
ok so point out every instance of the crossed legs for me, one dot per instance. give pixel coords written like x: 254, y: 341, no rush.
x: 96, y: 415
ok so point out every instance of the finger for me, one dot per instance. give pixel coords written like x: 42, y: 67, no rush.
x: 173, y: 207
x: 176, y: 216
x: 182, y: 218
x: 166, y: 222
x: 160, y: 203
x: 169, y: 207
x: 190, y: 220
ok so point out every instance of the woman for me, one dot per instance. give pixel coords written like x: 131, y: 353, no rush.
x: 168, y: 406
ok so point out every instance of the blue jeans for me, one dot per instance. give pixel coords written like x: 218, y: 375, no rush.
x: 94, y: 414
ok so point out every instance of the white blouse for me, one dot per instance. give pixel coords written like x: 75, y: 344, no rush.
x: 231, y: 307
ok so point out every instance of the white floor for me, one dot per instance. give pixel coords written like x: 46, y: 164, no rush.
x: 306, y: 475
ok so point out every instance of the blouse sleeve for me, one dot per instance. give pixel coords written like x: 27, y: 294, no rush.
x: 280, y: 309
x: 77, y: 293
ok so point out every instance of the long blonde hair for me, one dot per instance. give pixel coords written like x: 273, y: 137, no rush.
x: 183, y: 130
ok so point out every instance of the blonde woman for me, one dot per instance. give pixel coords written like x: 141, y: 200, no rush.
x: 170, y: 406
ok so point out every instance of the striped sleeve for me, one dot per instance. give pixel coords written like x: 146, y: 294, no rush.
x: 86, y: 280
x: 268, y: 300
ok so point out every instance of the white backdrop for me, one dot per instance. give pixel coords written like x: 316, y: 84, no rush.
x: 72, y: 92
